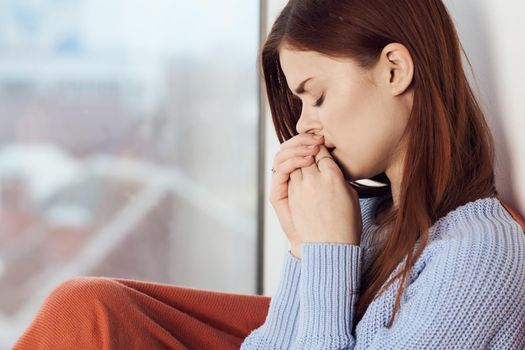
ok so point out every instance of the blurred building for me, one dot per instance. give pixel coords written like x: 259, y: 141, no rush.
x: 128, y: 146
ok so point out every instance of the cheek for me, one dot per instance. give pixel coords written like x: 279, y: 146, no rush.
x: 340, y: 114
x: 362, y: 132
x: 353, y: 119
x: 373, y: 147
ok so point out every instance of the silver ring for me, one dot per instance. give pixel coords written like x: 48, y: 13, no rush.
x: 318, y: 160
x: 273, y: 170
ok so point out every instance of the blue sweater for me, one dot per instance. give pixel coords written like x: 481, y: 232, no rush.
x: 466, y: 291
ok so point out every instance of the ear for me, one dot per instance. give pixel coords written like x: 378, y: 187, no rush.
x: 399, y: 67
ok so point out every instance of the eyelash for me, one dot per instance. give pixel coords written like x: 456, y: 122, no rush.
x: 319, y: 102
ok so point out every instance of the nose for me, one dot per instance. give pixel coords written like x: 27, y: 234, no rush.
x: 307, y: 121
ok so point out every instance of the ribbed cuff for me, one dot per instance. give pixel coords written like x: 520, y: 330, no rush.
x: 280, y: 326
x: 329, y: 288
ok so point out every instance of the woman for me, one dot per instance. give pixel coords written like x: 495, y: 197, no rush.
x: 432, y: 260
x: 443, y: 262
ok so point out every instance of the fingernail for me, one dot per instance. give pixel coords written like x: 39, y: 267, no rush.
x: 311, y: 146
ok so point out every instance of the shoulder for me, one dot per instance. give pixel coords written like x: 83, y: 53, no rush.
x: 483, y: 222
x: 481, y: 241
x: 470, y: 277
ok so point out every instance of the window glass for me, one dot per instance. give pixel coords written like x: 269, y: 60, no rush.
x: 128, y: 146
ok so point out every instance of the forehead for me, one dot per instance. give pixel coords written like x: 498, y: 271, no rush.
x: 299, y: 65
x: 296, y: 64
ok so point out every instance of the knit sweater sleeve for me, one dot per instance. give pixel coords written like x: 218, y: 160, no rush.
x: 462, y: 296
x: 280, y: 325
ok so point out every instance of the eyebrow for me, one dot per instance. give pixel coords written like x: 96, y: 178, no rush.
x: 300, y: 89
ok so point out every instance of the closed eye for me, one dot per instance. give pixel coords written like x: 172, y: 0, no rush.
x: 319, y: 102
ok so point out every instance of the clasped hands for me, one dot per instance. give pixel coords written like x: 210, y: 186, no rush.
x: 323, y: 206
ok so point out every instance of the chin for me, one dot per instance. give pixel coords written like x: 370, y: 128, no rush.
x: 355, y: 174
x: 343, y: 168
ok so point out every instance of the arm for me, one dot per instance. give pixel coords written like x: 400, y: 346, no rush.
x: 328, y: 293
x: 460, y: 299
x: 286, y: 302
x: 280, y: 326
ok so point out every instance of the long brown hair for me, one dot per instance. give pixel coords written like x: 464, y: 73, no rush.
x: 450, y: 147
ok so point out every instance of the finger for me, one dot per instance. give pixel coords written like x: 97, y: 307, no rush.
x: 280, y: 179
x: 310, y: 170
x: 289, y: 160
x: 297, y: 174
x: 302, y: 139
x: 299, y: 151
x: 317, y: 167
x: 284, y: 169
x: 324, y: 160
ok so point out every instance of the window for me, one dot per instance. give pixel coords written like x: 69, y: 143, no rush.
x: 128, y: 146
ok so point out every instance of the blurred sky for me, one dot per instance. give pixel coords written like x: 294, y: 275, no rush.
x: 91, y: 26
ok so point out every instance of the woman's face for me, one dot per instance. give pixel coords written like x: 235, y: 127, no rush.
x: 361, y: 113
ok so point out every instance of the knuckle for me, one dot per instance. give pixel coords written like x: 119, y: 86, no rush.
x: 279, y: 157
x: 301, y: 150
x: 304, y: 160
x: 314, y: 148
x: 285, y: 144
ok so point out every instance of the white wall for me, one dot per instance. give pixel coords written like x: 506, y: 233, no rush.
x: 490, y: 34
